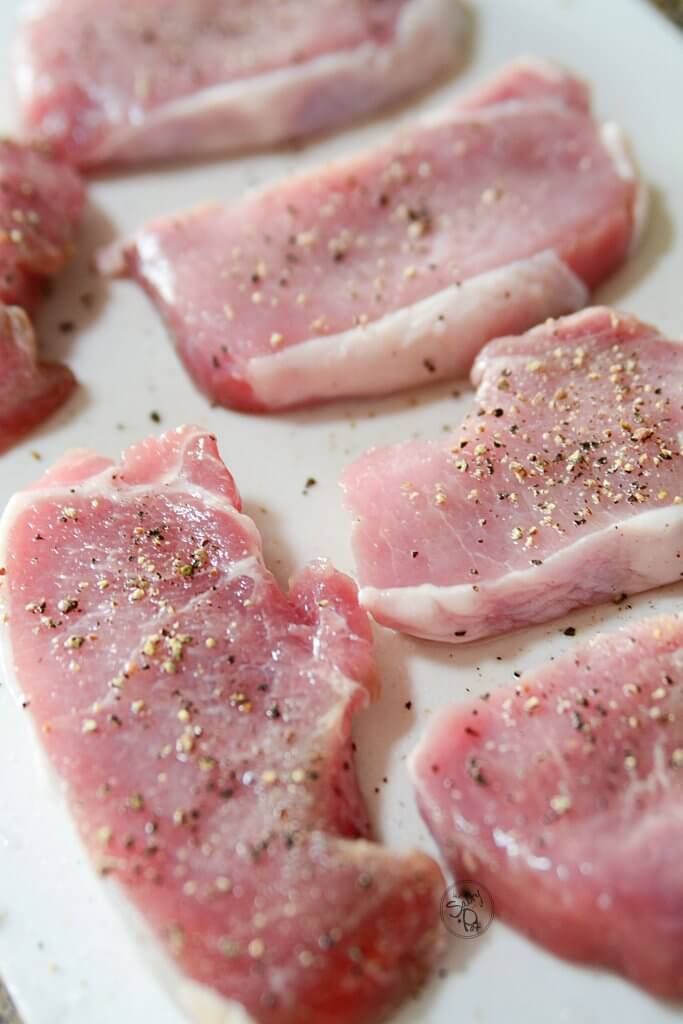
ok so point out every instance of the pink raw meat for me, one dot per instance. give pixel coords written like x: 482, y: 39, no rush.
x: 41, y: 202
x: 125, y: 81
x: 30, y: 391
x: 396, y: 266
x: 200, y: 720
x: 563, y: 487
x: 563, y: 795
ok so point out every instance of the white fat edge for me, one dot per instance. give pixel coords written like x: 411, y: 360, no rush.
x: 616, y: 143
x: 267, y: 101
x: 97, y: 485
x: 385, y: 354
x: 495, y: 111
x: 204, y: 1006
x: 416, y: 608
x: 544, y: 67
x: 345, y: 688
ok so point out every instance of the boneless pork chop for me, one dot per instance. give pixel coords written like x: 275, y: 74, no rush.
x: 122, y: 81
x: 563, y: 795
x: 563, y: 487
x: 41, y: 202
x: 30, y: 390
x: 199, y: 719
x: 396, y: 266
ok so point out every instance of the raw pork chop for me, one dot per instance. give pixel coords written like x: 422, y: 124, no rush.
x: 396, y: 266
x: 200, y: 721
x: 30, y: 391
x: 564, y: 796
x: 563, y: 488
x: 122, y: 81
x: 41, y: 201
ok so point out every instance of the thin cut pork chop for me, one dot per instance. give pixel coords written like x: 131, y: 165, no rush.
x: 123, y: 81
x: 396, y: 266
x: 563, y: 487
x: 30, y: 390
x: 564, y: 796
x: 41, y: 202
x: 199, y: 719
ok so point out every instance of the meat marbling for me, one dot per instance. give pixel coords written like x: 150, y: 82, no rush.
x: 113, y: 82
x: 563, y: 488
x: 563, y: 795
x: 394, y: 267
x: 199, y: 719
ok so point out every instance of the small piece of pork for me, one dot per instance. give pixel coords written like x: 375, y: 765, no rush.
x: 30, y: 390
x: 41, y: 203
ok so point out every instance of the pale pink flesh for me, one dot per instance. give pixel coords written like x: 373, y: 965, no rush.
x: 41, y: 202
x: 30, y: 390
x: 105, y: 81
x: 200, y: 720
x: 574, y: 431
x: 518, y: 169
x: 563, y: 795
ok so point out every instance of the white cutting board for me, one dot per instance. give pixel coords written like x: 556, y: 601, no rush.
x: 64, y: 953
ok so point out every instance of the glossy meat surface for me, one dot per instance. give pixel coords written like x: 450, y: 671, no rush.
x: 199, y: 719
x: 563, y: 794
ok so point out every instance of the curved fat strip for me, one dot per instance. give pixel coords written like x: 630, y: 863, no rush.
x: 563, y: 488
x: 334, y: 282
x: 563, y: 795
x: 396, y: 351
x: 199, y: 719
x: 311, y: 70
x: 620, y: 558
x: 30, y: 391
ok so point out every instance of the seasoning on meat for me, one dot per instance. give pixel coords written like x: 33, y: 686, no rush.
x: 393, y: 268
x: 201, y: 724
x: 563, y: 487
x: 577, y: 833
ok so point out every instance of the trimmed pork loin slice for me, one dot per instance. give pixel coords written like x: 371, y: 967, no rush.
x: 395, y: 267
x: 563, y: 795
x: 199, y: 719
x: 123, y: 82
x: 563, y: 488
x: 30, y: 391
x: 41, y: 203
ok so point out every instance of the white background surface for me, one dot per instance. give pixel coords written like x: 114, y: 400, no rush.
x: 64, y: 953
